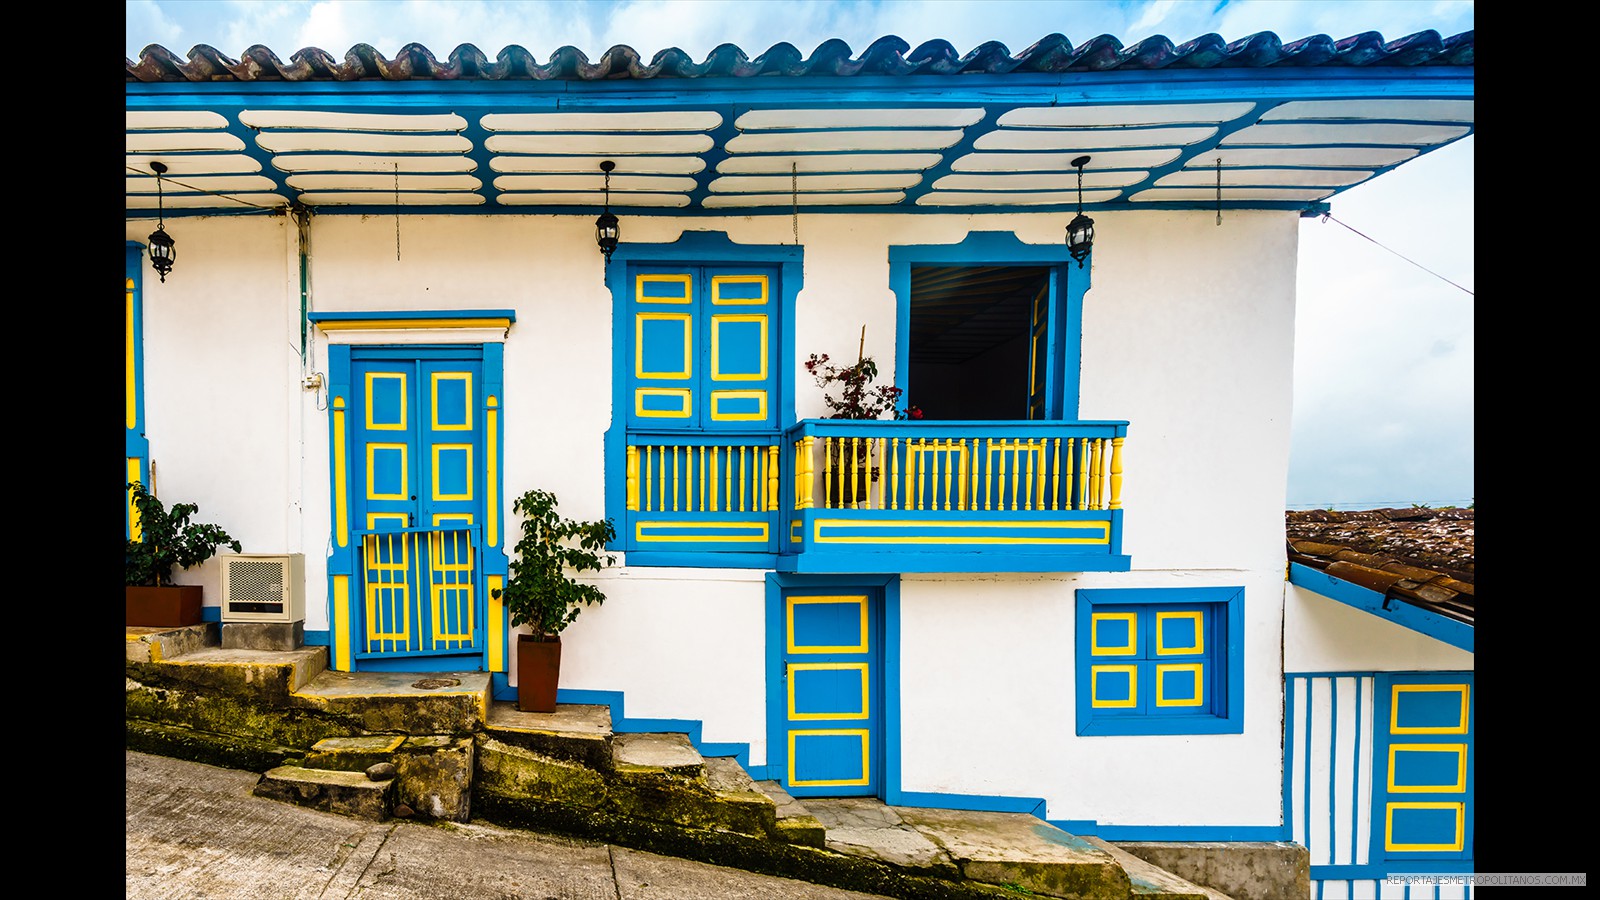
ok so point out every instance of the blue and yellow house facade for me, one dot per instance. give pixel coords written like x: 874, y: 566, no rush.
x: 388, y: 275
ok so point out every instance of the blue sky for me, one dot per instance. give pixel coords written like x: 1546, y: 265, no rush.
x: 1383, y: 400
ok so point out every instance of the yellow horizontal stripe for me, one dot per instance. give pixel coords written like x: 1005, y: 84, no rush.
x: 955, y: 539
x: 375, y: 324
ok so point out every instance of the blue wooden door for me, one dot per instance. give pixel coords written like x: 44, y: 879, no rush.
x: 830, y: 739
x: 417, y: 462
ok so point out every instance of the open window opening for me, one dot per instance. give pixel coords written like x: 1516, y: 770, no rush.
x: 977, y: 336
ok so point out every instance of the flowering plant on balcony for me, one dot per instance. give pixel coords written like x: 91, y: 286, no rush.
x: 858, y: 397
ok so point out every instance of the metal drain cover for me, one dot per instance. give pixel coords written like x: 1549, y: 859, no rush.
x: 428, y: 684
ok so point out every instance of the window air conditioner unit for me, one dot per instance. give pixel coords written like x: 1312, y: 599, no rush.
x: 261, y: 587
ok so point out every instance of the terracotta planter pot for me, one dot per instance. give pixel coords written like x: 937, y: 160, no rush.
x: 164, y: 607
x: 538, y: 670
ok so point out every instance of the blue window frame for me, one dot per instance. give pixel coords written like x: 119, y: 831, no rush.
x: 1160, y: 661
x: 1055, y: 320
x: 702, y: 344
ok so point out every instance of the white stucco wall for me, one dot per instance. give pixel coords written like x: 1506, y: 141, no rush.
x: 1187, y: 334
x: 1323, y: 635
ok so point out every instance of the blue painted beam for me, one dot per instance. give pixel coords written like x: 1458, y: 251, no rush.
x: 1407, y: 615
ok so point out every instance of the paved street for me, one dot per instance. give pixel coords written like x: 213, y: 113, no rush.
x: 195, y: 832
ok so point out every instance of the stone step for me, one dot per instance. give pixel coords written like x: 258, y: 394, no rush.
x: 353, y: 754
x: 1148, y: 881
x: 268, y: 676
x: 401, y: 702
x: 154, y: 645
x: 1014, y: 850
x: 578, y: 733
x: 795, y: 823
x: 1241, y: 869
x: 667, y: 753
x: 346, y: 793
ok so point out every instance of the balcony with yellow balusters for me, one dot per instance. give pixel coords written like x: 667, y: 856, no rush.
x: 912, y: 496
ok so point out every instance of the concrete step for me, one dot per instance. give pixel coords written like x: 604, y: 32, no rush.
x: 1013, y: 850
x: 574, y: 732
x: 401, y: 702
x: 795, y: 823
x: 1148, y: 881
x: 1259, y: 870
x: 153, y: 645
x: 664, y: 753
x: 353, y: 754
x: 346, y: 793
x: 269, y: 676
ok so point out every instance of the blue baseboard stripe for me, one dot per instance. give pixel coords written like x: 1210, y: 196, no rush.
x: 1033, y: 806
x: 1091, y: 828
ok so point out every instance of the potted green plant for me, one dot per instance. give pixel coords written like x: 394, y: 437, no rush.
x: 167, y: 541
x: 540, y: 594
x: 858, y: 398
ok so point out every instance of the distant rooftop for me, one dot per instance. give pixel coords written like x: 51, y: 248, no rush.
x: 1421, y: 556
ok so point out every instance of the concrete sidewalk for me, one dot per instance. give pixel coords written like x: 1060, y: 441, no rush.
x: 196, y: 831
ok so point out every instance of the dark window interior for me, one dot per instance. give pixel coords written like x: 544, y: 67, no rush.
x: 969, y: 340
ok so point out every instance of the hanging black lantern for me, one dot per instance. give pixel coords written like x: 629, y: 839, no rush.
x: 606, y: 231
x: 162, y: 248
x: 1080, y: 231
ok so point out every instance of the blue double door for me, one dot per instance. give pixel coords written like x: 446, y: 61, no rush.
x: 419, y: 497
x: 827, y: 737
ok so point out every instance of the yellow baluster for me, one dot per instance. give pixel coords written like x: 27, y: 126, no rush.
x: 774, y: 465
x: 881, y: 472
x: 988, y: 472
x: 715, y: 452
x: 1055, y: 475
x: 807, y: 486
x: 894, y: 477
x: 1036, y: 453
x: 948, y: 470
x: 1116, y: 472
x: 633, y: 478
x: 1083, y: 474
x: 972, y: 465
x: 674, y: 479
x: 911, y: 473
x: 1027, y: 493
x: 827, y: 473
x: 922, y: 462
x: 1097, y: 487
x: 1005, y: 449
x: 1072, y: 444
x: 702, y: 454
x: 743, y: 478
x: 961, y: 477
x: 848, y: 473
x: 649, y: 471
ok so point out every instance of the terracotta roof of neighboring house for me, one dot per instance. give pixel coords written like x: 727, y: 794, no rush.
x: 1421, y: 556
x: 888, y: 55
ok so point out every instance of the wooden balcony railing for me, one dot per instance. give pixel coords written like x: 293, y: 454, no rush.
x: 1012, y: 495
x: 916, y: 472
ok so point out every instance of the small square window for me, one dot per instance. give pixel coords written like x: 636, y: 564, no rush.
x: 1160, y: 661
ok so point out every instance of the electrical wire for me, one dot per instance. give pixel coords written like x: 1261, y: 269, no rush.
x: 1329, y: 216
x: 138, y: 171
